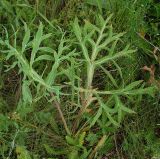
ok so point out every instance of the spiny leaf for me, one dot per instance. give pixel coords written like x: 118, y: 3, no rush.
x: 114, y: 57
x: 85, y: 51
x: 26, y: 37
x: 77, y: 30
x: 44, y: 57
x: 149, y: 90
x: 110, y: 39
x: 36, y: 43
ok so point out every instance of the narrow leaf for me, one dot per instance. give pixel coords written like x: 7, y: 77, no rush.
x: 26, y: 37
x: 133, y: 85
x: 77, y: 30
x: 96, y: 117
x: 44, y: 57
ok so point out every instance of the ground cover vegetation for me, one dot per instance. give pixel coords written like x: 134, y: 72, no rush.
x: 79, y: 79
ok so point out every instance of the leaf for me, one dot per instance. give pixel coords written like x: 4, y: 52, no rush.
x: 45, y: 18
x: 110, y: 39
x: 119, y: 116
x: 112, y: 49
x: 89, y: 27
x: 15, y: 36
x: 85, y: 51
x: 62, y: 47
x: 27, y: 96
x: 127, y: 110
x: 96, y: 117
x: 149, y: 90
x: 22, y: 153
x: 110, y: 76
x: 44, y: 57
x: 111, y: 119
x: 108, y: 18
x: 99, y: 4
x: 81, y: 138
x: 121, y: 106
x: 133, y: 85
x: 12, y: 66
x: 114, y: 57
x: 46, y: 36
x: 119, y: 70
x: 73, y: 154
x: 99, y: 145
x: 52, y: 74
x: 7, y: 6
x: 71, y: 141
x: 46, y: 49
x: 26, y: 37
x: 39, y: 32
x: 52, y: 151
x: 85, y: 153
x: 36, y: 43
x: 23, y: 109
x: 77, y: 30
x: 101, y: 22
x: 69, y: 55
x: 106, y: 109
x: 2, y: 42
x: 6, y: 33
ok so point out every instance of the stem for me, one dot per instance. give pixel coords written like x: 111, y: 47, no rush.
x: 90, y: 73
x: 91, y: 65
x: 57, y: 105
x: 88, y: 95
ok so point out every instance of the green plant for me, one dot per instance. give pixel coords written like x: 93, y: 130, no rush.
x: 96, y: 41
x: 65, y: 73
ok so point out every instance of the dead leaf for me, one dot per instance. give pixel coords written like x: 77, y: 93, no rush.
x: 151, y: 70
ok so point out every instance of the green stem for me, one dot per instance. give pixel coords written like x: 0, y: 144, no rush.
x: 90, y: 73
